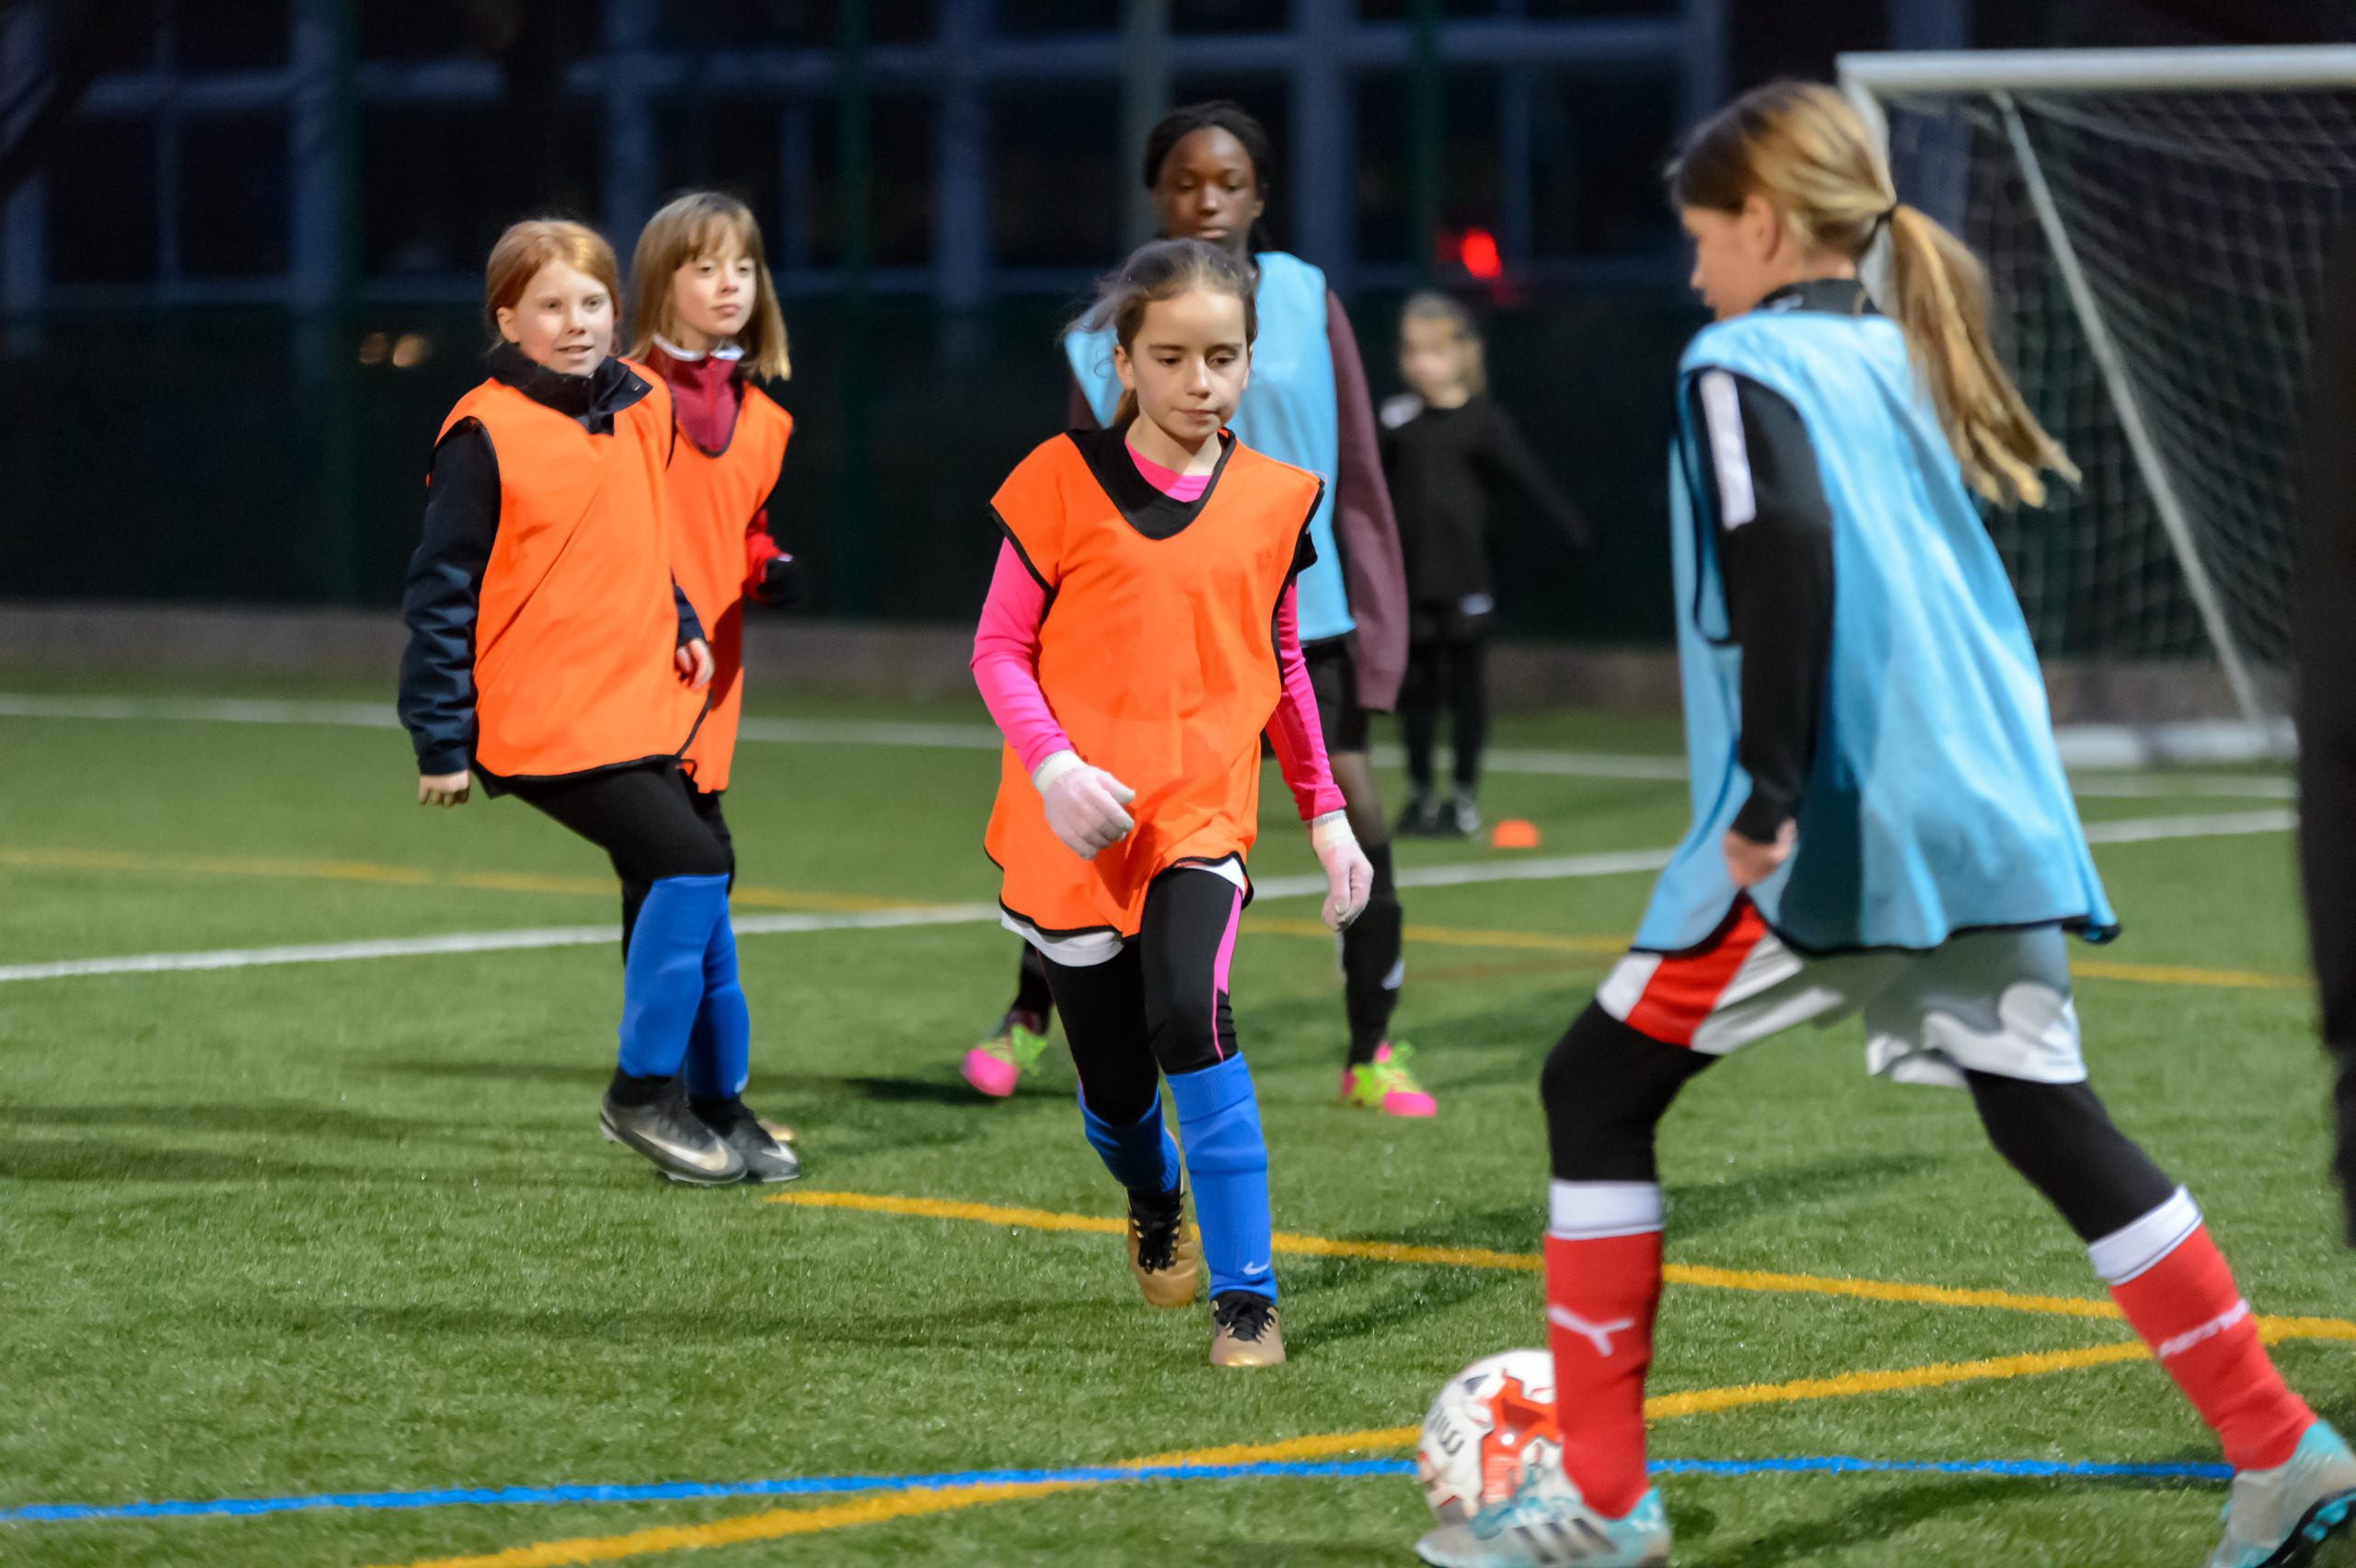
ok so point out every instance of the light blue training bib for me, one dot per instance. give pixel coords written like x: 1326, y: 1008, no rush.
x: 1938, y: 803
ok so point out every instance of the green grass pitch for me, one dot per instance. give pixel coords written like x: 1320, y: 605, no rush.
x: 347, y: 1227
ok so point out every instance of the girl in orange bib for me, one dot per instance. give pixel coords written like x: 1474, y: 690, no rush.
x: 1139, y: 639
x: 551, y: 652
x: 708, y: 325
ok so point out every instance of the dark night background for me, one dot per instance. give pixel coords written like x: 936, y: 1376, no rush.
x: 238, y: 242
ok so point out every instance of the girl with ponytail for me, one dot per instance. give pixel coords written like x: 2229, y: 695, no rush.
x: 1881, y: 825
x: 1792, y: 162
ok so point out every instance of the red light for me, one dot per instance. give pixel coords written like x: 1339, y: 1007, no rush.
x: 1478, y: 251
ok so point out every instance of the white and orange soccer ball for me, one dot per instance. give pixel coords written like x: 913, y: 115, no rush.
x: 1491, y: 1422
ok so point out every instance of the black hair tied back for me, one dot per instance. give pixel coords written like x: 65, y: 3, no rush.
x: 1217, y: 114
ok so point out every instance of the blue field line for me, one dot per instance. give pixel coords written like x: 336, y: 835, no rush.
x: 2009, y: 1469
x: 820, y: 1485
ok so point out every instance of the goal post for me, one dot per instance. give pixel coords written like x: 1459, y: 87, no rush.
x: 2157, y: 225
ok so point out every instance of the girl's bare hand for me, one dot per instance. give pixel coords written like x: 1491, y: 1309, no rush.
x: 444, y: 789
x: 694, y: 660
x: 1751, y: 862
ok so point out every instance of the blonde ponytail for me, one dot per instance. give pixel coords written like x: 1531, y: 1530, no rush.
x: 1801, y: 148
x: 1939, y: 294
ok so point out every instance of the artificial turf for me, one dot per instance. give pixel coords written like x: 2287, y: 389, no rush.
x: 347, y: 1227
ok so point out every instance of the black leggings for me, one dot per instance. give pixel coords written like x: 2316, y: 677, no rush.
x: 1158, y: 1006
x: 634, y: 889
x: 1606, y: 1087
x: 1454, y: 669
x: 1031, y: 994
x: 650, y: 822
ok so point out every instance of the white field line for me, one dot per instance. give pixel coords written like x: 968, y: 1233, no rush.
x: 2162, y: 785
x: 1666, y: 769
x: 2151, y: 830
x: 1663, y: 769
x: 1566, y: 763
x: 480, y: 941
x: 1559, y: 868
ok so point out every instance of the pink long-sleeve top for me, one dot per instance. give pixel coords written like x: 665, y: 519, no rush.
x: 1006, y: 667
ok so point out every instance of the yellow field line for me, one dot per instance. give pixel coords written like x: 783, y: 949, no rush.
x: 2274, y: 1329
x: 772, y: 1525
x: 1701, y: 1275
x: 777, y: 1523
x: 1318, y: 1446
x: 402, y: 876
x: 1047, y: 1220
x: 1697, y: 1401
x: 875, y: 1510
x: 2179, y: 975
x: 1711, y: 1278
x: 1611, y: 947
x: 944, y: 1208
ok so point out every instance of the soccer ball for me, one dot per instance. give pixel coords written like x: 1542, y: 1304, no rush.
x: 1492, y: 1420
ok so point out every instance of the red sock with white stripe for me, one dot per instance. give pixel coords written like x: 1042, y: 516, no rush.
x: 2173, y: 1283
x: 1602, y: 1290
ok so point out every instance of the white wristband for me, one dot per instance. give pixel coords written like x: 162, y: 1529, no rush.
x: 1055, y: 767
x: 1332, y: 828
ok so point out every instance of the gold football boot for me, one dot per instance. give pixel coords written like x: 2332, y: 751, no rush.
x: 1244, y: 1331
x: 1162, y: 1253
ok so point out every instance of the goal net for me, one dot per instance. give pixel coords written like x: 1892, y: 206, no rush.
x: 2157, y: 225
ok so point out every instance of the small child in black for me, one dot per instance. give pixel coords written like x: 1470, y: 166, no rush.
x: 1445, y: 448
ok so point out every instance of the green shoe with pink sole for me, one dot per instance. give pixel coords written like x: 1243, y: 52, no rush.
x: 1386, y: 1085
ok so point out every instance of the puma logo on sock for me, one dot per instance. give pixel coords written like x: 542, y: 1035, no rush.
x: 2169, y: 1349
x: 1597, y: 1335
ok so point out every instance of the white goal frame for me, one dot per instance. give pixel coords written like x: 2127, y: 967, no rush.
x: 1996, y: 74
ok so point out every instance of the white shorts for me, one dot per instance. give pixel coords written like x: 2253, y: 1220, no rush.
x: 1992, y: 1001
x: 1086, y: 949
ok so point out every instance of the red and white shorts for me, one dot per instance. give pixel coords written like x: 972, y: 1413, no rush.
x: 1992, y: 1001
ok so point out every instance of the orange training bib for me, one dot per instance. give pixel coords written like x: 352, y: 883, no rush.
x: 1158, y: 657
x: 576, y: 627
x: 713, y: 499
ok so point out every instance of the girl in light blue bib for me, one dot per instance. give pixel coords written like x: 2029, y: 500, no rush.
x: 1881, y: 828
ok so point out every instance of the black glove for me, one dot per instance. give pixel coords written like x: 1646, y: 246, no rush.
x: 783, y: 585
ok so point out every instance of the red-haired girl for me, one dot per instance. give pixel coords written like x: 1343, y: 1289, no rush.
x: 552, y: 655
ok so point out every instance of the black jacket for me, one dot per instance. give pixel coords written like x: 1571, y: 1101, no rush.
x: 1444, y: 465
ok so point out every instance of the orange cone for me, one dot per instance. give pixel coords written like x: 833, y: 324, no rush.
x: 1514, y: 833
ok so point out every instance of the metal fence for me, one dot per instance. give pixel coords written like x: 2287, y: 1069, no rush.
x: 237, y: 302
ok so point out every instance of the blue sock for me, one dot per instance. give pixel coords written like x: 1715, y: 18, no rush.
x: 1228, y: 1160
x: 663, y: 975
x: 720, y: 1047
x: 1140, y: 1156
